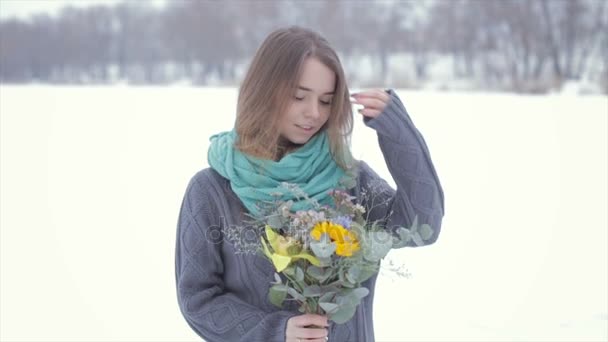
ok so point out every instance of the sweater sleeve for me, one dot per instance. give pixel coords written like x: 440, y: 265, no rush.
x: 407, y: 156
x: 214, y: 313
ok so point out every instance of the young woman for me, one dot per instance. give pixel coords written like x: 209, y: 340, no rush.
x: 294, y: 119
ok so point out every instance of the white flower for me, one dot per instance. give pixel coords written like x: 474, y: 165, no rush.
x: 360, y: 208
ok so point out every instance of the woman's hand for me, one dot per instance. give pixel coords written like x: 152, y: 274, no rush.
x: 296, y: 330
x: 374, y: 101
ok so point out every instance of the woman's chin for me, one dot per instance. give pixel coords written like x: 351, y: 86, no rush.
x: 299, y: 140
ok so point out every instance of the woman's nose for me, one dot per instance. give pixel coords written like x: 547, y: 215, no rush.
x: 313, y: 111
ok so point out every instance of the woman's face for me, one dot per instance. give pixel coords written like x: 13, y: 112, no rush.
x: 310, y: 106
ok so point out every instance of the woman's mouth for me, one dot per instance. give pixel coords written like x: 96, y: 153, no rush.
x: 305, y: 128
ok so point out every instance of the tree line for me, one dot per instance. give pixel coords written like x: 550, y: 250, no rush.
x: 515, y: 45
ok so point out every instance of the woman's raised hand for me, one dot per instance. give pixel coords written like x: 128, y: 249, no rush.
x: 374, y: 101
x: 297, y: 330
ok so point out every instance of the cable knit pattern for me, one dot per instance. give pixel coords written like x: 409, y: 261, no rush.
x: 223, y: 294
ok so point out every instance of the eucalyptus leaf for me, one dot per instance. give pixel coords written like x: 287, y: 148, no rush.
x: 312, y: 291
x: 360, y: 292
x: 323, y: 248
x: 353, y: 274
x: 329, y: 308
x: 414, y: 226
x: 280, y: 287
x: 325, y: 262
x: 379, y: 244
x: 417, y: 239
x: 295, y: 294
x: 299, y: 274
x: 404, y: 233
x: 319, y: 273
x: 344, y: 281
x: 343, y: 314
x: 327, y: 296
x: 358, y: 229
x: 340, y: 284
x: 425, y: 232
x: 289, y: 271
x: 346, y: 299
x: 404, y: 236
x: 367, y: 272
x: 276, y: 296
x: 346, y: 284
x: 398, y: 243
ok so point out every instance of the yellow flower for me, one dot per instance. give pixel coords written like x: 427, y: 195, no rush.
x: 284, y: 250
x: 346, y: 241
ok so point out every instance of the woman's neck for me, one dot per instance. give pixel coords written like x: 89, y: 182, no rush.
x: 285, y: 147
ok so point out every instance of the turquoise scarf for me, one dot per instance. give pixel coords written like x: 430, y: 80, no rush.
x: 254, y: 180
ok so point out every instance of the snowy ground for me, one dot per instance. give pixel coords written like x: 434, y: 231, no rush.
x: 92, y: 180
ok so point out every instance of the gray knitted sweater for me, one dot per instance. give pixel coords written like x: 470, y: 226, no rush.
x: 223, y: 294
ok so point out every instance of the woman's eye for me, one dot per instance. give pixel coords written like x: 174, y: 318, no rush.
x: 326, y: 103
x: 298, y: 98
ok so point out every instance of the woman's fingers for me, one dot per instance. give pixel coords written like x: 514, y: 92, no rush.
x: 310, y: 319
x: 308, y: 327
x: 370, y: 102
x: 310, y: 333
x: 373, y: 101
x: 372, y: 113
x: 380, y: 94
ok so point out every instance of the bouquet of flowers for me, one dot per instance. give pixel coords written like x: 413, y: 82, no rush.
x: 323, y: 255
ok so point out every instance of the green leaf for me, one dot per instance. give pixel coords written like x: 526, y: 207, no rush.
x: 329, y: 308
x: 403, y: 238
x: 276, y: 295
x: 417, y: 239
x: 404, y: 234
x: 290, y: 271
x: 299, y: 274
x: 414, y: 226
x: 327, y: 296
x: 323, y: 248
x: 312, y: 291
x: 346, y: 299
x: 358, y: 229
x: 367, y: 271
x: 353, y: 274
x: 324, y: 262
x: 378, y: 245
x: 360, y: 292
x: 343, y: 314
x: 425, y: 232
x: 344, y: 282
x: 347, y: 284
x: 320, y: 274
x: 295, y: 294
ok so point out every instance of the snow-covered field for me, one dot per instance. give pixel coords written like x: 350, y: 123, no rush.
x: 92, y: 181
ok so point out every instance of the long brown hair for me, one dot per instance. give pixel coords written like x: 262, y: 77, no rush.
x: 268, y: 88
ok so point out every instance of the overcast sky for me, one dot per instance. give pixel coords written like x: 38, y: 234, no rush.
x: 24, y: 8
